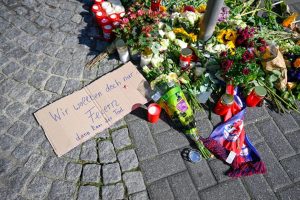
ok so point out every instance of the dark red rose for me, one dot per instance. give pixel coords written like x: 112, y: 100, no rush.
x: 226, y: 65
x: 189, y: 8
x: 262, y: 41
x: 247, y: 55
x: 223, y: 54
x: 251, y: 44
x: 262, y: 49
x: 246, y: 71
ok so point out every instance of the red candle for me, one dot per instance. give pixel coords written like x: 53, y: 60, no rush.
x: 99, y: 16
x: 121, y: 14
x: 104, y: 21
x: 153, y: 112
x: 98, y: 2
x: 224, y: 104
x: 95, y: 8
x: 185, y: 58
x: 107, y: 32
x: 255, y: 96
x: 116, y: 24
x: 155, y: 4
x: 113, y: 17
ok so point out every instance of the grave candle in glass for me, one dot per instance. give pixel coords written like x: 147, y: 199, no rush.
x: 99, y: 16
x: 107, y: 32
x: 224, y: 104
x: 113, y: 17
x: 255, y: 96
x: 122, y: 50
x: 155, y: 4
x: 98, y: 2
x: 153, y: 112
x: 116, y: 24
x: 146, y: 57
x: 95, y: 8
x: 185, y: 58
x: 104, y: 21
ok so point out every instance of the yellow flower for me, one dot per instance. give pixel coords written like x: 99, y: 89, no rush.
x: 230, y: 45
x: 180, y: 31
x: 201, y: 8
x: 221, y: 36
x: 193, y: 37
x: 231, y: 35
x: 163, y: 8
x: 288, y: 21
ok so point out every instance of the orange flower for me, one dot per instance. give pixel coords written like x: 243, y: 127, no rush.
x: 163, y: 8
x: 288, y: 21
x: 297, y: 63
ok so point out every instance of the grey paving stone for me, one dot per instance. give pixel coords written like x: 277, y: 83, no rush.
x: 292, y: 192
x: 91, y: 173
x: 10, y: 68
x: 30, y: 28
x: 22, y: 75
x: 7, y: 165
x: 12, y: 33
x: 275, y: 176
x: 54, y: 167
x: 17, y: 53
x: 128, y: 160
x: 294, y: 139
x: 43, y: 21
x: 21, y: 93
x: 46, y: 64
x: 5, y: 123
x: 65, y: 54
x: 139, y: 196
x: 22, y: 152
x: 111, y: 173
x: 204, y: 127
x: 200, y: 115
x: 62, y: 190
x: 201, y: 174
x: 7, y: 85
x: 7, y: 143
x: 162, y: 124
x: 90, y: 74
x: 88, y: 192
x: 255, y: 114
x: 74, y: 153
x: 38, y: 98
x: 75, y: 71
x: 219, y: 169
x: 253, y: 133
x: 160, y: 190
x: 286, y: 122
x: 30, y: 61
x: 35, y: 162
x: 71, y: 86
x: 27, y: 116
x: 291, y: 166
x: 25, y: 41
x: 104, y: 135
x: 230, y: 189
x: 272, y: 135
x: 170, y: 140
x: 182, y: 186
x: 15, y: 109
x: 38, y: 46
x: 38, y: 188
x: 58, y: 37
x: 51, y: 49
x: 258, y: 187
x: 18, y: 129
x: 162, y: 166
x: 17, y: 179
x: 121, y: 138
x: 118, y: 124
x: 47, y: 149
x: 73, y: 172
x: 113, y: 192
x: 143, y: 139
x: 60, y: 68
x: 71, y: 40
x: 55, y: 84
x: 106, y: 152
x: 134, y: 182
x: 89, y: 151
x: 3, y: 103
x: 38, y: 79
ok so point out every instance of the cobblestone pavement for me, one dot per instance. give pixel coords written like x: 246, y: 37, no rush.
x: 43, y: 48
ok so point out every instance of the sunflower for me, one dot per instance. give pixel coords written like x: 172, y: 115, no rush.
x: 180, y: 31
x: 230, y: 35
x: 193, y: 37
x: 221, y: 36
x: 201, y: 8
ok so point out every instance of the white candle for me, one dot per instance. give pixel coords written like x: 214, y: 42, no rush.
x: 146, y: 57
x: 122, y: 51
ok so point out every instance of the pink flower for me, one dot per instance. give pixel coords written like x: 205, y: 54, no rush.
x: 140, y: 12
x: 132, y: 16
x: 125, y: 20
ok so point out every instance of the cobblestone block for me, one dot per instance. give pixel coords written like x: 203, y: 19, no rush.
x: 145, y: 146
x: 55, y: 167
x: 27, y: 116
x: 7, y: 165
x: 58, y: 37
x: 35, y: 162
x: 7, y: 143
x: 12, y: 33
x: 55, y: 84
x: 111, y: 173
x: 62, y: 190
x: 291, y: 166
x: 46, y: 64
x: 38, y: 188
x: 18, y: 129
x: 60, y: 68
x: 91, y: 173
x: 76, y: 18
x: 201, y: 174
x: 230, y: 189
x: 162, y: 166
x: 74, y: 153
x: 22, y: 75
x: 294, y: 139
x: 292, y: 192
x: 17, y: 53
x: 285, y: 123
x: 258, y: 187
x: 38, y: 79
x: 71, y: 86
x: 43, y: 21
x: 118, y: 124
x: 73, y: 172
x: 215, y: 119
x: 75, y: 71
x: 15, y: 109
x: 170, y: 140
x: 276, y: 176
x: 182, y: 186
x: 3, y: 103
x: 30, y: 28
x: 160, y: 190
x: 200, y: 115
x: 134, y: 182
x: 17, y: 179
x: 7, y: 85
x: 253, y: 133
x: 139, y: 196
x: 161, y: 126
x: 90, y: 74
x: 89, y: 151
x: 51, y: 49
x: 281, y: 149
x: 121, y: 138
x: 38, y: 99
x: 21, y: 93
x: 255, y: 114
x: 4, y: 123
x: 30, y: 61
x: 10, y: 68
x: 25, y: 41
x: 106, y: 152
x: 88, y: 192
x: 128, y: 160
x: 219, y: 169
x: 113, y: 192
x: 22, y: 152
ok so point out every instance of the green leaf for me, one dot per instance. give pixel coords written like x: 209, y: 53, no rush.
x: 272, y: 78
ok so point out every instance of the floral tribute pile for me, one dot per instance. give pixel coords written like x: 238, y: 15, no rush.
x: 252, y: 58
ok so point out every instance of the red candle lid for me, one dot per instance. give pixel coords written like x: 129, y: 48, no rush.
x: 113, y: 16
x: 95, y: 8
x: 104, y: 20
x: 99, y: 14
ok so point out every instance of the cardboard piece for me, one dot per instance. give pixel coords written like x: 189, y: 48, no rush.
x: 78, y: 117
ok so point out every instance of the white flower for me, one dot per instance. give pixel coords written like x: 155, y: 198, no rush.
x: 146, y: 69
x: 161, y: 25
x: 218, y: 48
x: 161, y: 33
x: 190, y: 16
x: 181, y: 43
x: 171, y: 35
x: 156, y: 60
x: 164, y: 44
x: 175, y: 15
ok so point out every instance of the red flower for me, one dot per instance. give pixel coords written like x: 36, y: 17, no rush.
x: 125, y: 20
x: 262, y: 41
x: 223, y: 54
x: 246, y: 71
x: 226, y: 65
x: 132, y: 16
x: 189, y: 8
x: 262, y: 49
x: 247, y: 55
x: 140, y: 12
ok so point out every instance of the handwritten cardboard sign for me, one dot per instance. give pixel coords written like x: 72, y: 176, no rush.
x: 78, y: 117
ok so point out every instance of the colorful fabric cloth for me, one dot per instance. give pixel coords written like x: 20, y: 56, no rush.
x: 230, y: 143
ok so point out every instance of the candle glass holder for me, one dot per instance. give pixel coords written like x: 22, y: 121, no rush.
x: 153, y: 112
x: 122, y: 50
x: 146, y: 56
x: 185, y: 58
x: 155, y: 5
x: 255, y: 96
x: 224, y: 104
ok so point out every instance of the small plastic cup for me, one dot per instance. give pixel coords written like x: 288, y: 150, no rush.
x: 153, y: 112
